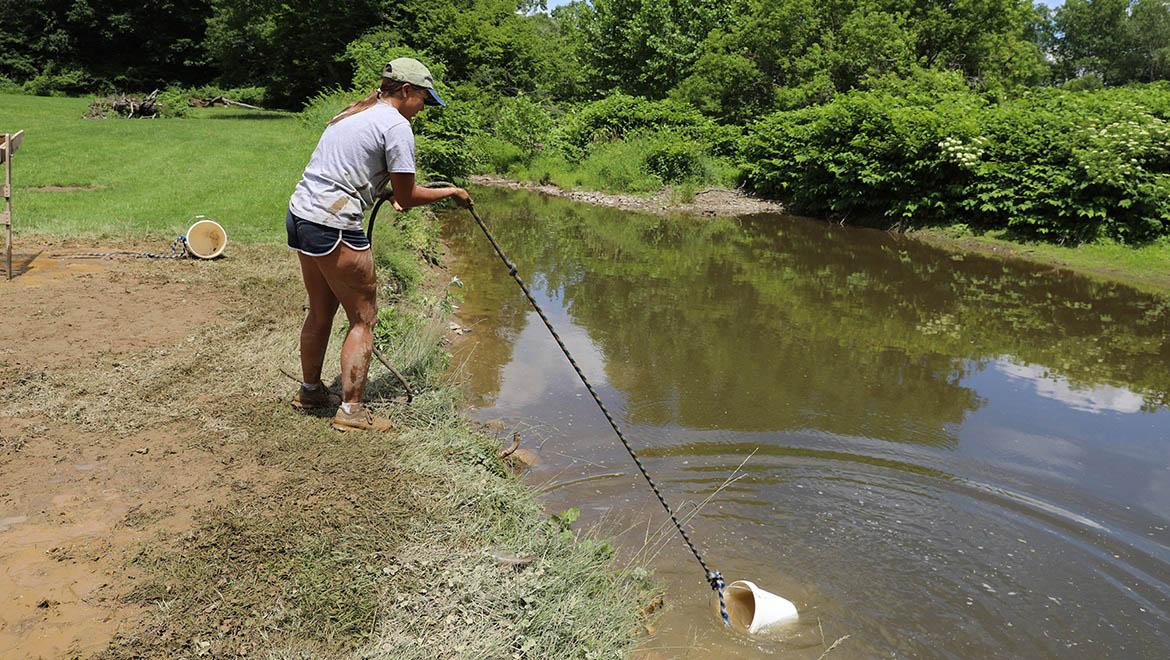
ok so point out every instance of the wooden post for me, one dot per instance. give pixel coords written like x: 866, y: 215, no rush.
x: 9, y: 143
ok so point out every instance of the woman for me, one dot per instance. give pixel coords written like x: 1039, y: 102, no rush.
x: 366, y: 146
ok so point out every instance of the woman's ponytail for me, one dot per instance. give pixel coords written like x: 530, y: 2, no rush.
x: 388, y: 87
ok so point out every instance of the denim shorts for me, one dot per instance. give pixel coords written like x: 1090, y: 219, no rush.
x: 317, y: 240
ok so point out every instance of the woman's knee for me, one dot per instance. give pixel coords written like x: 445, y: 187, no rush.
x: 365, y: 315
x: 319, y: 319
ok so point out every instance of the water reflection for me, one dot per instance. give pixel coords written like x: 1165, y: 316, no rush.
x: 1102, y: 398
x: 946, y: 455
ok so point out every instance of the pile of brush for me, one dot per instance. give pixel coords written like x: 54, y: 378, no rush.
x: 126, y: 106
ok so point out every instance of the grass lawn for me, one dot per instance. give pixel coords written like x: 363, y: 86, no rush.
x: 148, y: 178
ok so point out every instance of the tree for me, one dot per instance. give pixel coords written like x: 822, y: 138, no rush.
x: 1149, y: 30
x: 645, y: 47
x: 130, y: 44
x: 1091, y: 37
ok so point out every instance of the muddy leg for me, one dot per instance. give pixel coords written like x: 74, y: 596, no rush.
x: 318, y: 321
x: 350, y: 274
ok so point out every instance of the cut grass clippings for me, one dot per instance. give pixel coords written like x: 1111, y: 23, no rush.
x: 368, y: 544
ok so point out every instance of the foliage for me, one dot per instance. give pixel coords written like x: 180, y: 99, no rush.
x: 176, y: 99
x: 1120, y: 41
x: 643, y: 47
x: 101, y: 45
x: 726, y: 85
x: 57, y: 82
x: 619, y: 116
x: 1057, y: 165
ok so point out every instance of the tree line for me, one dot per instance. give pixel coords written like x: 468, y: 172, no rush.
x: 731, y: 59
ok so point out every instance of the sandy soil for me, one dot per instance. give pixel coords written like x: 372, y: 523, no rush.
x: 709, y: 202
x: 74, y: 502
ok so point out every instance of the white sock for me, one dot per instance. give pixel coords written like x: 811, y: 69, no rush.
x: 349, y: 407
x: 312, y: 387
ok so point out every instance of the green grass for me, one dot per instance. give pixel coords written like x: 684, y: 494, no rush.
x: 1146, y: 267
x: 150, y: 177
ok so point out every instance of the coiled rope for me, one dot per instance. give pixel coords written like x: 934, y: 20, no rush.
x: 177, y: 252
x: 714, y: 578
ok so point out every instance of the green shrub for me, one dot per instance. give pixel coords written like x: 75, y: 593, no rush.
x: 1053, y: 164
x: 325, y: 105
x: 522, y: 122
x: 495, y: 155
x: 670, y: 158
x: 619, y: 116
x: 615, y: 166
x: 444, y: 158
x: 64, y: 82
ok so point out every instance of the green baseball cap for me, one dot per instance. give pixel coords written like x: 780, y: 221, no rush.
x: 410, y: 70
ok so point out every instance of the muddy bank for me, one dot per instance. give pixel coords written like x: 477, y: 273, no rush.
x: 708, y: 202
x: 160, y: 498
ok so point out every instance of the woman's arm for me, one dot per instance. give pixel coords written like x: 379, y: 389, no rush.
x: 408, y: 194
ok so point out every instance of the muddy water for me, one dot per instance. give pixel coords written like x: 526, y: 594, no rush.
x: 935, y: 455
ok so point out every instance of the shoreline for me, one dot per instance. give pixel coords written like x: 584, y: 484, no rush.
x: 709, y: 202
x: 1144, y: 268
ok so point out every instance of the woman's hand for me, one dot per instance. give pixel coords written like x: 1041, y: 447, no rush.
x: 462, y: 198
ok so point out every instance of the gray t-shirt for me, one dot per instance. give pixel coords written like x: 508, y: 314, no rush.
x: 351, y: 166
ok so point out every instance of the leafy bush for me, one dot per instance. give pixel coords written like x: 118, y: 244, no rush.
x: 59, y: 82
x: 495, y: 155
x: 619, y: 116
x: 671, y: 159
x: 522, y: 122
x: 444, y: 158
x: 325, y: 105
x: 1053, y: 164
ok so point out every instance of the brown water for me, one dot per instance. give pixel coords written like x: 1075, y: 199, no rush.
x: 946, y: 456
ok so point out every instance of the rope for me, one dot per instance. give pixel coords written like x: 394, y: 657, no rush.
x: 714, y: 578
x: 176, y: 253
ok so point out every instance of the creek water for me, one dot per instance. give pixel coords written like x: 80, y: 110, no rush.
x: 935, y: 454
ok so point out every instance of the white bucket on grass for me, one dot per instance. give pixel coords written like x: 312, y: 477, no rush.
x: 206, y: 239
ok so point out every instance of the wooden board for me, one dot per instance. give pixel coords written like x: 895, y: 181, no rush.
x: 16, y: 138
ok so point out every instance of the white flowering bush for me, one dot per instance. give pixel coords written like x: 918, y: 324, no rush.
x: 964, y: 154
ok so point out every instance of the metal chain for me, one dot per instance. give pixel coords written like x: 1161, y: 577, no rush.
x: 176, y: 253
x: 714, y: 578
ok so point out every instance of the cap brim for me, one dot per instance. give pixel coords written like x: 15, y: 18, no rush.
x: 433, y: 98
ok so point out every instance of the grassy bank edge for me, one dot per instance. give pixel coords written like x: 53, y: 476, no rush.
x: 400, y: 545
x: 1146, y: 268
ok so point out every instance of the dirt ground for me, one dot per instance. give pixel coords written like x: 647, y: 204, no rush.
x: 709, y: 202
x: 78, y: 496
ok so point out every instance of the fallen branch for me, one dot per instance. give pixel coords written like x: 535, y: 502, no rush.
x: 220, y: 101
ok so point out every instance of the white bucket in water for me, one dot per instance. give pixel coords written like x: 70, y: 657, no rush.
x: 751, y: 609
x: 206, y: 239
